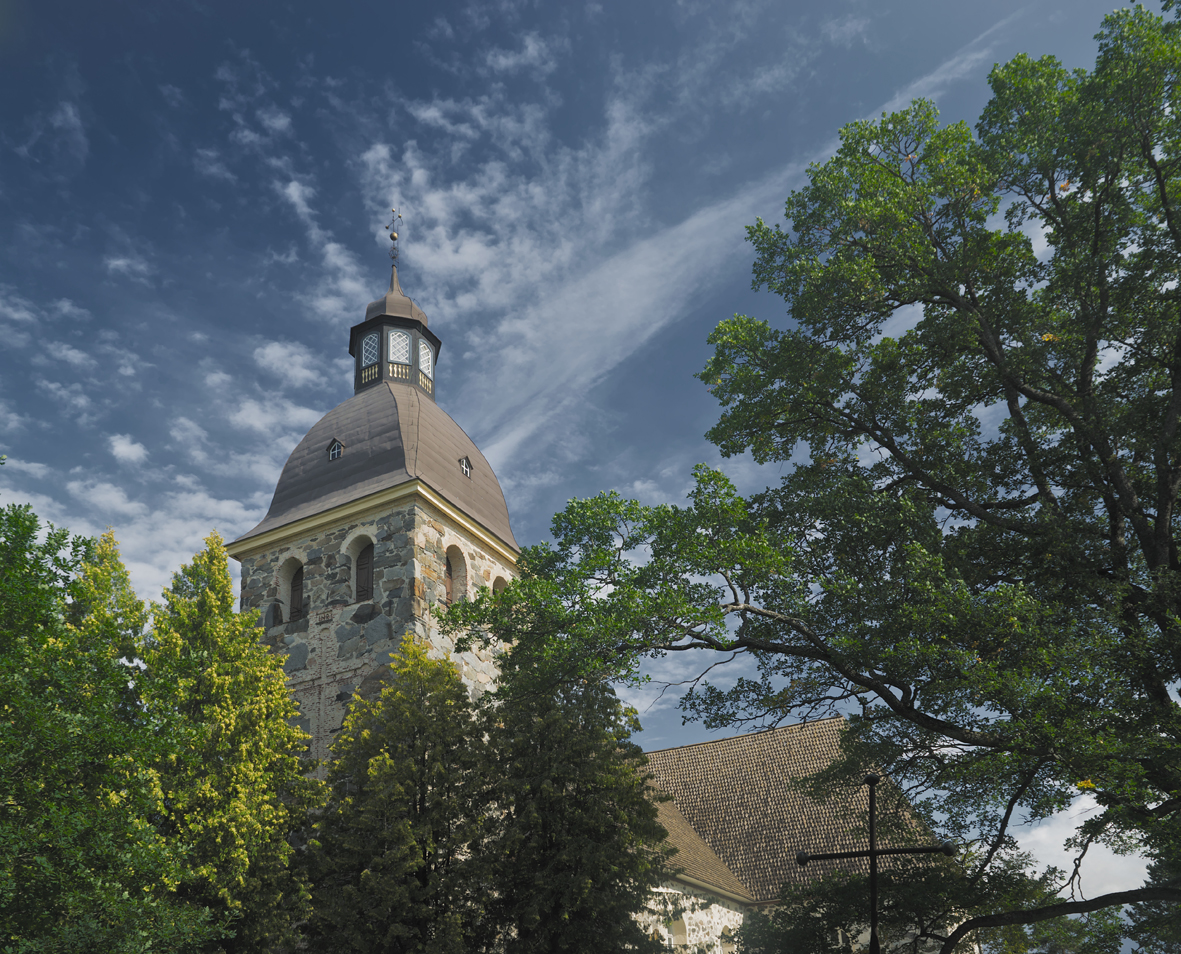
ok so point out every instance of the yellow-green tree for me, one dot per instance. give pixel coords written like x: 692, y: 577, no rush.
x: 234, y: 775
x: 83, y: 866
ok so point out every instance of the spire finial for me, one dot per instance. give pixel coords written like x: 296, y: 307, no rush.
x: 392, y: 228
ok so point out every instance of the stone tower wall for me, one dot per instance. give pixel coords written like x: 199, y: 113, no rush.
x: 341, y: 645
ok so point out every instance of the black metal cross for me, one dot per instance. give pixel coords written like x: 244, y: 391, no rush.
x: 873, y: 854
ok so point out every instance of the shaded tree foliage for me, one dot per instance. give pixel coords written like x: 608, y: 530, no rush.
x: 574, y: 848
x: 975, y: 550
x: 391, y: 855
x: 523, y: 825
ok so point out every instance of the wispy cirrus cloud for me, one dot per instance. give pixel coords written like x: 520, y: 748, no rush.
x: 57, y: 141
x: 129, y: 265
x: 209, y: 163
x: 536, y: 55
x: 16, y: 308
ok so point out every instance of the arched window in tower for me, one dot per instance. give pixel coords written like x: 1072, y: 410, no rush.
x: 454, y: 575
x: 426, y: 359
x: 399, y: 351
x: 365, y: 574
x: 297, y: 595
x: 400, y: 347
x: 370, y: 350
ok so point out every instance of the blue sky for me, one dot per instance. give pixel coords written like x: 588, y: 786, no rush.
x: 192, y: 198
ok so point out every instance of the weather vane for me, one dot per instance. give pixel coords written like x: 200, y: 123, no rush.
x: 392, y: 228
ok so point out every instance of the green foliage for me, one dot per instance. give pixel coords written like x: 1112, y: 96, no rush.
x: 979, y: 388
x: 82, y: 865
x: 574, y: 849
x: 830, y: 916
x: 1156, y: 925
x: 233, y: 776
x: 390, y: 858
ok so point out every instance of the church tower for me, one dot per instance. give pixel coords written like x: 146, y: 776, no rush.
x: 384, y: 512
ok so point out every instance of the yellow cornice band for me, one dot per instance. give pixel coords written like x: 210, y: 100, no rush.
x: 342, y: 513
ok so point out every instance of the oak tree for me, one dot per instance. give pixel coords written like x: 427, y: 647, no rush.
x: 974, y: 555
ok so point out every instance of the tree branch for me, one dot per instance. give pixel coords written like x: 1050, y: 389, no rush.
x: 1065, y: 908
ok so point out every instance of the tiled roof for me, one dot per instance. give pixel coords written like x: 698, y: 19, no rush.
x: 738, y: 796
x: 695, y: 858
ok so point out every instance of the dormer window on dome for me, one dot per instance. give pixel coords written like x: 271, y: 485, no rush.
x: 335, y: 449
x: 465, y: 465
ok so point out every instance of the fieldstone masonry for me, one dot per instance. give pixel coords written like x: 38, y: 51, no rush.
x: 340, y: 645
x: 702, y: 922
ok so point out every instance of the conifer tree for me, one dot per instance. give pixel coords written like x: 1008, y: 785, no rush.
x: 575, y: 848
x: 234, y: 777
x: 390, y: 857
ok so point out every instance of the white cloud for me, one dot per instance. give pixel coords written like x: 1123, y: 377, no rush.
x: 260, y: 464
x: 274, y: 119
x: 342, y: 288
x: 32, y: 468
x: 1102, y: 870
x: 186, y: 431
x: 969, y: 61
x: 10, y: 420
x: 130, y: 265
x: 153, y: 540
x: 106, y: 499
x: 70, y: 396
x: 845, y: 30
x: 126, y: 450
x: 440, y: 30
x: 208, y: 162
x: 273, y: 415
x: 537, y: 55
x: 292, y: 363
x: 172, y: 95
x: 57, y: 142
x: 70, y: 311
x: 72, y: 356
x: 14, y: 307
x: 290, y: 257
x: 72, y: 134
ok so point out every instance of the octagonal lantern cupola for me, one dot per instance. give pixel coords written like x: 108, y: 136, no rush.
x: 394, y: 344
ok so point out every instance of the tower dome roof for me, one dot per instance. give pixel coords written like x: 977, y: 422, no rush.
x: 389, y: 435
x: 394, y: 303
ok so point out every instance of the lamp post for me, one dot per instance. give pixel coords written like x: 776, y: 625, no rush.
x: 874, y: 852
